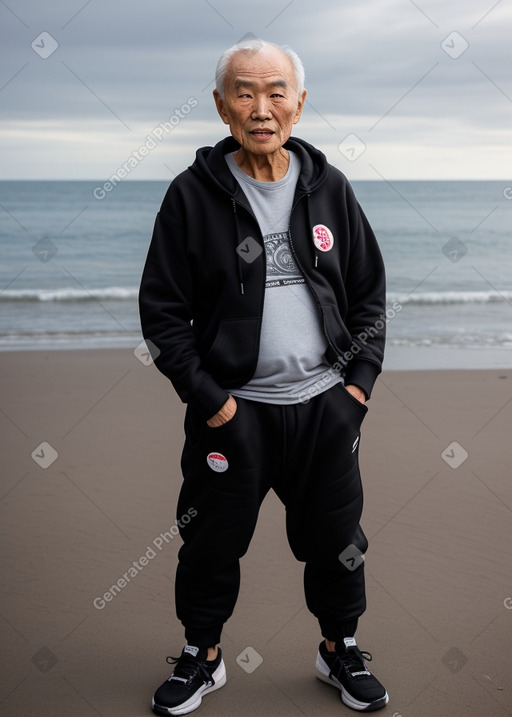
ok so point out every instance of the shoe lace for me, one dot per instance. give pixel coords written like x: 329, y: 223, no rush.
x: 187, y: 667
x: 353, y: 662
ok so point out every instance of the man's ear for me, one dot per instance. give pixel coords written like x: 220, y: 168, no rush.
x: 300, y: 106
x: 219, y: 103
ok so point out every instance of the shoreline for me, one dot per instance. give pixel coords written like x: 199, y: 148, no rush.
x: 397, y: 358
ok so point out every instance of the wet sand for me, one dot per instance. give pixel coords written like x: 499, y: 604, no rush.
x: 435, y: 458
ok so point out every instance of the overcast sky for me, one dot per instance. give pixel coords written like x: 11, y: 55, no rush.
x: 400, y: 89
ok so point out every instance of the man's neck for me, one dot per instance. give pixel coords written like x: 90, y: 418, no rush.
x: 264, y: 167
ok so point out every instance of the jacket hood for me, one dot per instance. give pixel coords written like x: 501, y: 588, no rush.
x: 211, y: 165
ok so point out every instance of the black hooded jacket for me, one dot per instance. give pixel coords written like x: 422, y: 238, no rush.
x: 202, y: 289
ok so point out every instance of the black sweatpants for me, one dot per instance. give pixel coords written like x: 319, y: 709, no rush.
x: 308, y: 454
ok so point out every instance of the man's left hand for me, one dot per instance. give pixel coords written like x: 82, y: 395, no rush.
x: 356, y: 392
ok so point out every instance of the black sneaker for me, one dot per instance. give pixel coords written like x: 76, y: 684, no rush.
x: 192, y: 678
x: 346, y: 669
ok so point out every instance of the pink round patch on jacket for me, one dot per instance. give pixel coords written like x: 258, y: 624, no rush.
x: 322, y: 237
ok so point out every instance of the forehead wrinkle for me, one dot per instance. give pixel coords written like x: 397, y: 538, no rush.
x: 241, y: 82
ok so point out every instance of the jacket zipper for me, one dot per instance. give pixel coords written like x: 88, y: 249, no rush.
x: 307, y: 280
x: 249, y: 210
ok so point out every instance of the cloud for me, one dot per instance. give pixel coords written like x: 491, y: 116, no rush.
x: 376, y: 69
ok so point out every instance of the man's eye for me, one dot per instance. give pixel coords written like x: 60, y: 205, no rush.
x: 276, y: 94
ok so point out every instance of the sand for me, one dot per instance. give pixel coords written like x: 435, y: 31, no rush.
x: 435, y: 456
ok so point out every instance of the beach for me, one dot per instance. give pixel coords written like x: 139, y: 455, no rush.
x: 91, y: 441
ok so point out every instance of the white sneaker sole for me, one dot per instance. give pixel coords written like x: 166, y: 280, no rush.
x: 193, y: 702
x: 323, y: 673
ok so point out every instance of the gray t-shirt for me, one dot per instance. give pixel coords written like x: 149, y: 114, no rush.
x: 291, y: 367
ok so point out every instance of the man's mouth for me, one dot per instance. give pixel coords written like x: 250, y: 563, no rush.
x: 262, y: 132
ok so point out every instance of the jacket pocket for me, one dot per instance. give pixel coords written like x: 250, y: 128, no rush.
x: 232, y: 356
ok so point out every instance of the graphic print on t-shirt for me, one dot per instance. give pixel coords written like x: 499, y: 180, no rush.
x: 281, y: 267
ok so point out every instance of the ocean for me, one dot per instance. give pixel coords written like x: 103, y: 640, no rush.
x: 71, y: 266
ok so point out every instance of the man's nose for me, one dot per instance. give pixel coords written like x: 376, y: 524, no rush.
x: 261, y: 108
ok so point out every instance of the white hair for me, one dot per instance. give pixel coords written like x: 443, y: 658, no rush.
x: 253, y: 45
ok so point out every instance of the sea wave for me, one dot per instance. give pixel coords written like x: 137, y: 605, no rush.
x: 120, y: 293
x: 450, y: 297
x: 65, y: 294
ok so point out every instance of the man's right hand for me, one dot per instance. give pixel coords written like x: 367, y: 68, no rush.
x: 224, y: 414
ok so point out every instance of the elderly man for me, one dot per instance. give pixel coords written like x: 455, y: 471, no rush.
x: 262, y: 300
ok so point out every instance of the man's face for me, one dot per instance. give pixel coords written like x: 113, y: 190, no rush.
x: 260, y: 103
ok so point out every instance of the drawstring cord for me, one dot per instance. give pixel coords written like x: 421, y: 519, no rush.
x: 239, y: 260
x: 310, y: 225
x: 237, y: 240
